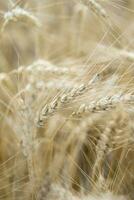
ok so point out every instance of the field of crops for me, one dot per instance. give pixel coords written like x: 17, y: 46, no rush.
x: 66, y: 99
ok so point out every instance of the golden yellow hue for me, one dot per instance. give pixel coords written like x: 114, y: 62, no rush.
x: 66, y: 100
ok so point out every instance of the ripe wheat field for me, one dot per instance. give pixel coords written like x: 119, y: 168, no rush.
x: 66, y: 99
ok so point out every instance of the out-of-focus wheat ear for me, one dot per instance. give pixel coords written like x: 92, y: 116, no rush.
x: 84, y: 153
x: 78, y: 25
x: 44, y: 67
x: 50, y: 190
x: 101, y: 148
x: 97, y: 9
x: 21, y: 15
x: 116, y: 163
x: 44, y: 188
x: 102, y: 13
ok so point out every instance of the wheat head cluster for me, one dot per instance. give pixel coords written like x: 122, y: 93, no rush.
x: 66, y: 99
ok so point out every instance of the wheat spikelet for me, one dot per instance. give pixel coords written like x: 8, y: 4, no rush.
x: 64, y: 99
x: 105, y: 103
